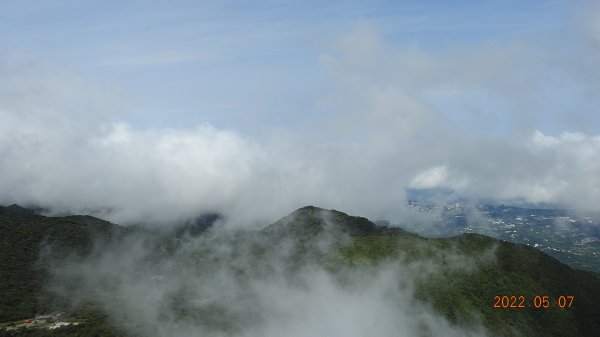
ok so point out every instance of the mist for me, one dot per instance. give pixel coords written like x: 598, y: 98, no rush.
x: 227, y: 282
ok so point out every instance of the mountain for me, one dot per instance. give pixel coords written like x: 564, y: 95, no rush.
x: 458, y: 277
x: 515, y: 270
x: 27, y: 240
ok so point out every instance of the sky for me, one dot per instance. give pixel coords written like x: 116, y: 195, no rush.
x: 150, y: 111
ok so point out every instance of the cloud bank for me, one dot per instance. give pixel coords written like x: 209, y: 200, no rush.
x: 468, y: 118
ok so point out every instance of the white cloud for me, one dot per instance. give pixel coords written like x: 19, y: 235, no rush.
x: 430, y: 178
x: 65, y: 145
x: 393, y: 98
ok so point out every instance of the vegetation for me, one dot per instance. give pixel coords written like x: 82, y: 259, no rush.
x: 27, y: 242
x: 460, y: 275
x: 466, y: 294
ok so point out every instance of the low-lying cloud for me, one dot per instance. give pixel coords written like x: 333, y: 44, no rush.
x: 222, y: 283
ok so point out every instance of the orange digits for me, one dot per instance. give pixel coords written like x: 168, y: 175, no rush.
x: 539, y: 302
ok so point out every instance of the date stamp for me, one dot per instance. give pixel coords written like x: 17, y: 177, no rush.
x: 537, y: 302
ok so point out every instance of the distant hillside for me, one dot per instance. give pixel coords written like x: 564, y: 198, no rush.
x: 458, y: 277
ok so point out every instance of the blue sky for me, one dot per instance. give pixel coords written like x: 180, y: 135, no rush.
x: 155, y: 111
x: 233, y: 62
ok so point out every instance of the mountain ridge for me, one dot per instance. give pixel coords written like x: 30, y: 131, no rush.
x: 494, y: 267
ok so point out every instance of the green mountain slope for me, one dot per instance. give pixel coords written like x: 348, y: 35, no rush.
x: 458, y: 277
x: 27, y: 241
x: 492, y: 268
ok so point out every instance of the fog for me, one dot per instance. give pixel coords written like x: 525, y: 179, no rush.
x: 234, y: 283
